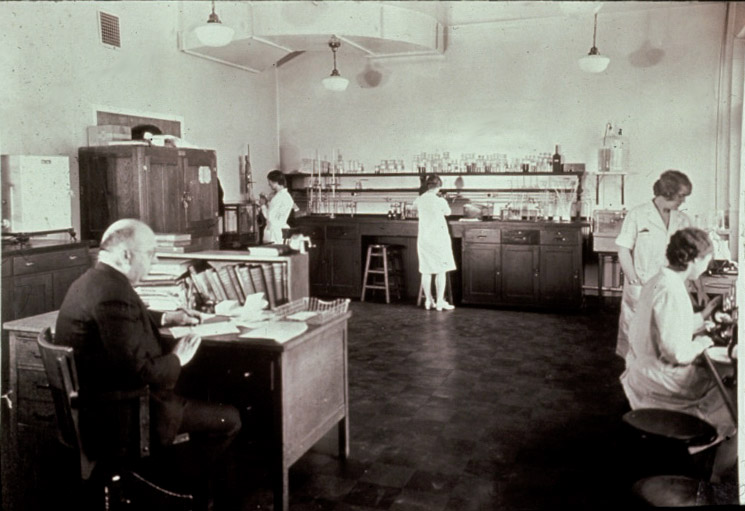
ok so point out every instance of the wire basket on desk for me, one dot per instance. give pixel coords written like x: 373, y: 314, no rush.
x: 326, y: 310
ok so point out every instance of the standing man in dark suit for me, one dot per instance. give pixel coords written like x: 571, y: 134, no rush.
x: 118, y: 347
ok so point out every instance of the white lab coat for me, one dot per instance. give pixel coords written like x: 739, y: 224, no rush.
x: 433, y: 245
x: 662, y: 370
x: 644, y: 233
x: 276, y: 213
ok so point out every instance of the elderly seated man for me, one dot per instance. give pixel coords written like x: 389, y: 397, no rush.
x: 118, y: 347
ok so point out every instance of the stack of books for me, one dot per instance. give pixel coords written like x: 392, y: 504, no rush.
x: 164, y: 288
x: 237, y: 281
x: 179, y: 243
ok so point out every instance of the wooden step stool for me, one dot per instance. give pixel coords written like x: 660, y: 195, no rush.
x: 386, y: 260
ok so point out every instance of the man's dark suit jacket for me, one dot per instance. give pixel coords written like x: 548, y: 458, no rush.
x: 118, y: 347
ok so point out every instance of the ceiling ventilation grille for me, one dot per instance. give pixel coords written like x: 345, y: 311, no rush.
x: 109, y: 26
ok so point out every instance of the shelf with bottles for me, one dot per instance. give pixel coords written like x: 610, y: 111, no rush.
x: 291, y: 175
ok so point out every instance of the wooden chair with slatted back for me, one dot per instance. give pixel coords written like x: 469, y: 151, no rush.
x: 130, y: 444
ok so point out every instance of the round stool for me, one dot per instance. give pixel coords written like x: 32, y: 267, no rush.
x: 681, y: 427
x: 667, y: 435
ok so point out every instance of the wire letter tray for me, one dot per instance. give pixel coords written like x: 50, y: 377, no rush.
x: 326, y: 310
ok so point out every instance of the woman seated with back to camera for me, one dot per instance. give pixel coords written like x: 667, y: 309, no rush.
x: 663, y: 368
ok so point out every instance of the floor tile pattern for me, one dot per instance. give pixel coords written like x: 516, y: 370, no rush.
x: 473, y: 409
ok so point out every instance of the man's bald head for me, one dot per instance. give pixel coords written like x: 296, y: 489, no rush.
x: 129, y: 246
x: 127, y: 231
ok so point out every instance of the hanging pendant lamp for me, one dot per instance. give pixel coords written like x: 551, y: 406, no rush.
x: 214, y: 33
x: 593, y: 62
x: 335, y: 82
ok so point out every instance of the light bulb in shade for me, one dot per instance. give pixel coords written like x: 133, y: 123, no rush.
x: 214, y: 33
x: 594, y: 62
x: 335, y: 82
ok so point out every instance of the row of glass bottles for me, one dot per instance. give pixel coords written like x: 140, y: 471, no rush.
x: 427, y: 163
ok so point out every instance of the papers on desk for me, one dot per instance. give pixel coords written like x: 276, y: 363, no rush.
x: 279, y: 331
x: 250, y: 309
x: 205, y: 329
x: 302, y: 315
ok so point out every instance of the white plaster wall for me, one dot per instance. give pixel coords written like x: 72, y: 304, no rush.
x: 516, y: 88
x: 54, y: 71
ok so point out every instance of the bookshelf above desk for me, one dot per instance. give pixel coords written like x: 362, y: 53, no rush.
x: 295, y: 284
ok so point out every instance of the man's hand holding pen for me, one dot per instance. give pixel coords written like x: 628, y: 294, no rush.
x: 182, y: 317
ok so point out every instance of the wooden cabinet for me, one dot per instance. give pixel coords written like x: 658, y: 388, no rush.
x: 538, y: 266
x: 35, y: 279
x: 36, y: 276
x: 561, y: 267
x: 173, y: 190
x: 30, y: 448
x: 335, y: 261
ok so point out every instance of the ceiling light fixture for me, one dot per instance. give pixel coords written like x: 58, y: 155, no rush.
x: 593, y: 62
x: 214, y: 33
x: 335, y: 82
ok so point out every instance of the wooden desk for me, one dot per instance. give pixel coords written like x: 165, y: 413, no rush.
x: 292, y: 393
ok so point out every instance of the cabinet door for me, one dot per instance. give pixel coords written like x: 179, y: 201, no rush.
x: 482, y: 274
x: 61, y: 281
x: 32, y: 294
x: 317, y: 268
x: 7, y: 303
x: 520, y: 274
x: 200, y: 190
x: 343, y: 267
x: 560, y: 276
x: 97, y: 193
x: 165, y: 191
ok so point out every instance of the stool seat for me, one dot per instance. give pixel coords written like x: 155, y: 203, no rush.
x: 670, y: 491
x: 683, y: 427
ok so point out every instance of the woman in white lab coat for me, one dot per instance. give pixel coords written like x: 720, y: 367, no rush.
x: 277, y: 209
x: 643, y: 239
x: 433, y: 244
x: 663, y: 364
x: 663, y: 368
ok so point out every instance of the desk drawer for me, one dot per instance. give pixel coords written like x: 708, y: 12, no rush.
x: 314, y: 232
x: 559, y: 236
x: 341, y: 232
x: 33, y: 385
x: 36, y: 413
x: 50, y: 261
x: 521, y: 236
x: 27, y: 352
x: 482, y: 235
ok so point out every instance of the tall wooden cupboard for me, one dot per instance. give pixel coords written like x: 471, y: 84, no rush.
x: 173, y: 190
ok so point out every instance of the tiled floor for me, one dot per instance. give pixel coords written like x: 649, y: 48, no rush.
x: 473, y: 409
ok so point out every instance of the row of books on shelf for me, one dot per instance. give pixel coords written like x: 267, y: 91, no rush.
x: 163, y: 288
x: 237, y: 281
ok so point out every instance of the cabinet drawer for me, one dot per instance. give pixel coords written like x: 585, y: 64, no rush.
x: 482, y: 235
x: 341, y: 232
x: 559, y: 236
x: 33, y: 385
x: 7, y: 266
x: 314, y: 232
x: 36, y: 413
x: 521, y: 236
x: 27, y: 352
x: 50, y: 261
